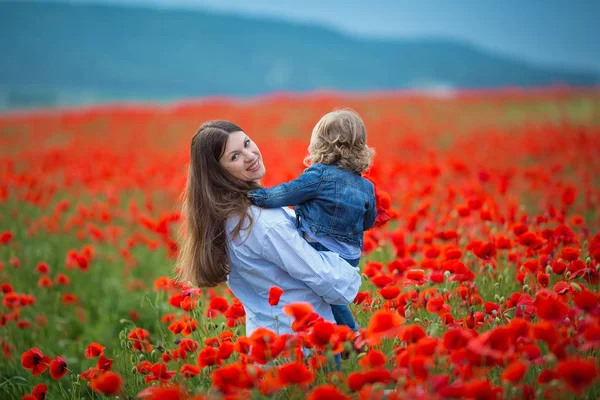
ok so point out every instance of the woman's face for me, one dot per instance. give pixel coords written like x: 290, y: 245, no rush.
x: 242, y: 158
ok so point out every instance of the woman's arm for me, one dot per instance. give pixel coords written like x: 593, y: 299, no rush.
x: 291, y: 193
x: 326, y: 273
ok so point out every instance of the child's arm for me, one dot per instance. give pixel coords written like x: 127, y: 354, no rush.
x: 292, y: 193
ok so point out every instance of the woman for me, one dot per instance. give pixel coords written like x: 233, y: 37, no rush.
x: 252, y: 249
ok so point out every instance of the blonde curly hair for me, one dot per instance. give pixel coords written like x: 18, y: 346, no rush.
x: 340, y: 138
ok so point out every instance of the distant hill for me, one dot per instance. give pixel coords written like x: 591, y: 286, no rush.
x: 58, y: 53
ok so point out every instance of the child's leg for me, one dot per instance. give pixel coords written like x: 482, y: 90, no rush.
x: 341, y: 313
x: 343, y: 316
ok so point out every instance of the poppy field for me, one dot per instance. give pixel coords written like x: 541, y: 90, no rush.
x: 483, y: 283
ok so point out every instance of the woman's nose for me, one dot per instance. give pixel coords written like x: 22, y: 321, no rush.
x: 248, y: 156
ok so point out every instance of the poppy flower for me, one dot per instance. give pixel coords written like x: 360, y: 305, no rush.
x: 374, y: 358
x: 58, y: 368
x: 159, y: 373
x: 514, y: 372
x: 233, y: 377
x: 577, y: 373
x: 275, y: 293
x: 551, y: 309
x: 104, y: 364
x: 35, y: 361
x: 299, y: 311
x: 189, y: 370
x: 207, y: 357
x: 412, y: 333
x: 39, y: 391
x: 94, y: 350
x: 327, y: 392
x: 390, y: 292
x: 108, y: 383
x: 139, y: 338
x: 586, y: 300
x: 321, y: 333
x: 384, y: 324
x: 171, y: 392
x: 295, y: 373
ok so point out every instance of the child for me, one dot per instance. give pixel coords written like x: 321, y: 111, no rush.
x: 334, y: 204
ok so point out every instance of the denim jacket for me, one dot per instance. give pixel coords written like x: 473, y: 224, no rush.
x: 333, y: 201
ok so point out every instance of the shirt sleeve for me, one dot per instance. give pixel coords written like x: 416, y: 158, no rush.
x: 370, y: 215
x: 292, y: 193
x: 325, y: 273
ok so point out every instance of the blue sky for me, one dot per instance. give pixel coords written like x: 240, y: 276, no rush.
x: 549, y: 32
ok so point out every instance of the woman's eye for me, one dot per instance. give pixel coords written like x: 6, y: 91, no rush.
x: 247, y: 143
x: 235, y: 157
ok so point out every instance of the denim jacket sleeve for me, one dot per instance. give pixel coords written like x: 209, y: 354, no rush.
x: 324, y: 272
x: 291, y: 193
x: 370, y: 215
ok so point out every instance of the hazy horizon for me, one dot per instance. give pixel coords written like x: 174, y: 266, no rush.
x: 551, y: 33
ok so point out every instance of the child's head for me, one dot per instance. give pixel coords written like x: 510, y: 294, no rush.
x: 340, y: 138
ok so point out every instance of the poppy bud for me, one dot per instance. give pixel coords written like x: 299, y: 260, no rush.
x: 548, y: 269
x: 576, y: 287
x: 133, y: 370
x: 407, y: 314
x: 526, y: 288
x: 417, y: 319
x: 501, y: 299
x: 447, y: 274
x: 142, y: 356
x: 364, y: 277
x: 568, y: 274
x: 588, y: 261
x: 494, y: 313
x: 133, y: 359
x: 496, y: 298
x: 361, y: 355
x: 154, y: 353
x: 500, y: 277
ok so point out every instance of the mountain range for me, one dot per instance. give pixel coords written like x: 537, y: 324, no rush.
x: 59, y: 53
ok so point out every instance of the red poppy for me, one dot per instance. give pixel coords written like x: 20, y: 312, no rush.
x: 586, y: 300
x: 94, y: 350
x: 189, y: 370
x: 570, y: 253
x: 159, y: 373
x: 104, y: 364
x: 543, y: 279
x: 412, y: 333
x: 58, y: 368
x: 169, y: 392
x: 275, y: 293
x: 295, y: 373
x: 108, y: 383
x: 39, y: 391
x: 327, y: 392
x: 233, y: 377
x: 5, y: 237
x: 321, y: 333
x: 208, y: 356
x: 374, y: 358
x: 139, y: 338
x: 390, y: 292
x: 551, y: 309
x: 299, y: 311
x: 35, y: 361
x: 514, y: 372
x: 577, y: 373
x: 384, y: 324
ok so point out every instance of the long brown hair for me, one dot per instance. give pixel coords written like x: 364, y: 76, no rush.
x: 210, y: 197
